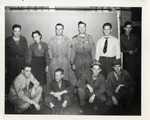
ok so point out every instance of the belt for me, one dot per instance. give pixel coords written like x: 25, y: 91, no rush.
x: 83, y: 52
x: 106, y: 57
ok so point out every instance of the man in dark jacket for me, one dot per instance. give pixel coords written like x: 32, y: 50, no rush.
x: 120, y: 85
x: 92, y: 87
x: 59, y: 93
x: 16, y: 49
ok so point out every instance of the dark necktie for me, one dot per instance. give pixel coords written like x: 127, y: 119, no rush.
x: 105, y: 45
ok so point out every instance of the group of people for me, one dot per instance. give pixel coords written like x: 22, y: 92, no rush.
x: 99, y: 74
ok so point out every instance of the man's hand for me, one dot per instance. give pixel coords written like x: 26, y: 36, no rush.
x: 73, y: 67
x: 64, y: 104
x: 118, y: 87
x: 131, y: 52
x: 115, y: 101
x: 46, y: 69
x: 91, y: 100
x: 90, y: 88
x: 37, y: 106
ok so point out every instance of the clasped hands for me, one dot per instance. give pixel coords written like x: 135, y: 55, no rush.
x: 91, y: 99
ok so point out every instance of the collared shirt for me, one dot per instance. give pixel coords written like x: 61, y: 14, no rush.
x: 61, y: 49
x: 34, y: 51
x: 20, y: 86
x: 82, y: 44
x: 113, y: 48
x: 128, y: 43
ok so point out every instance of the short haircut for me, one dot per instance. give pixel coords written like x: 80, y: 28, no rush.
x: 80, y: 22
x: 127, y: 23
x: 96, y: 63
x: 59, y: 24
x: 38, y: 32
x: 107, y: 24
x: 59, y: 70
x: 25, y: 65
x: 16, y: 26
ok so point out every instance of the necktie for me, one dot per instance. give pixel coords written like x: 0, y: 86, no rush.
x: 105, y: 45
x: 39, y: 46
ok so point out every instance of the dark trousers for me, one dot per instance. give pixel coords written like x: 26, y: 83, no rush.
x: 58, y: 104
x: 84, y: 95
x: 106, y: 65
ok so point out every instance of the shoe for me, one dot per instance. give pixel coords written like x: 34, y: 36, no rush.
x: 32, y: 107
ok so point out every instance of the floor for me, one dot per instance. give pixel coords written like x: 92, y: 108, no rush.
x: 135, y: 109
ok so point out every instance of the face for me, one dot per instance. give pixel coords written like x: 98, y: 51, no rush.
x: 128, y: 29
x: 82, y: 28
x: 16, y: 32
x: 27, y: 72
x: 117, y: 68
x: 107, y: 30
x: 59, y: 30
x: 96, y: 69
x: 58, y: 76
x: 36, y: 37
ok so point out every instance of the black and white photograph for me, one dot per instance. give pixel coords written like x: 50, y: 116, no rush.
x: 74, y: 60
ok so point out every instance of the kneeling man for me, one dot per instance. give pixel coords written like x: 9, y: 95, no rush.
x: 59, y: 93
x: 25, y: 91
x: 92, y: 87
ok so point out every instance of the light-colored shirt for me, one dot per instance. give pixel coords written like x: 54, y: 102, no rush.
x: 113, y: 48
x: 20, y: 86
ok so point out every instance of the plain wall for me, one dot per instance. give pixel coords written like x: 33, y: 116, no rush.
x: 45, y: 22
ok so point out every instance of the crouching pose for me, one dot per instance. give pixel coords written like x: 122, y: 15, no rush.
x: 59, y: 93
x: 120, y: 85
x: 25, y: 91
x: 91, y: 88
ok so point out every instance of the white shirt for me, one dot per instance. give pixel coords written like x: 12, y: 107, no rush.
x: 113, y: 47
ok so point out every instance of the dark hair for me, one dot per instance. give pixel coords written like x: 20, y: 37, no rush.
x: 116, y: 62
x: 16, y: 26
x: 107, y: 24
x: 59, y: 24
x: 38, y: 32
x: 127, y: 23
x: 80, y: 22
x: 96, y: 63
x: 25, y: 65
x: 59, y: 70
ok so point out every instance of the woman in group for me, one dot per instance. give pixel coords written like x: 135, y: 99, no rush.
x: 39, y: 58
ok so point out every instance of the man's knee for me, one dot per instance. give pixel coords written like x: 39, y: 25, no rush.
x: 24, y: 106
x: 39, y: 89
x: 80, y: 91
x: 101, y: 98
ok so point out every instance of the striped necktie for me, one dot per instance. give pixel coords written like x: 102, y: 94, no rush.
x: 105, y: 45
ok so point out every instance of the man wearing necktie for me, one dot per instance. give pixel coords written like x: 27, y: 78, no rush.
x: 107, y: 49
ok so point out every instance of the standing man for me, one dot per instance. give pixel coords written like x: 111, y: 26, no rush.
x: 16, y: 50
x: 107, y: 49
x: 129, y: 48
x: 82, y: 52
x: 59, y: 51
x: 59, y: 93
x: 25, y: 91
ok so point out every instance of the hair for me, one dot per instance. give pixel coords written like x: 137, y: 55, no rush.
x: 59, y: 70
x: 59, y: 24
x: 16, y: 26
x: 107, y: 24
x: 38, y: 32
x: 80, y: 22
x: 127, y: 23
x: 25, y: 65
x: 96, y: 63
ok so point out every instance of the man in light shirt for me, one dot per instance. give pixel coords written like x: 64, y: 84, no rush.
x: 25, y: 91
x: 107, y: 49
